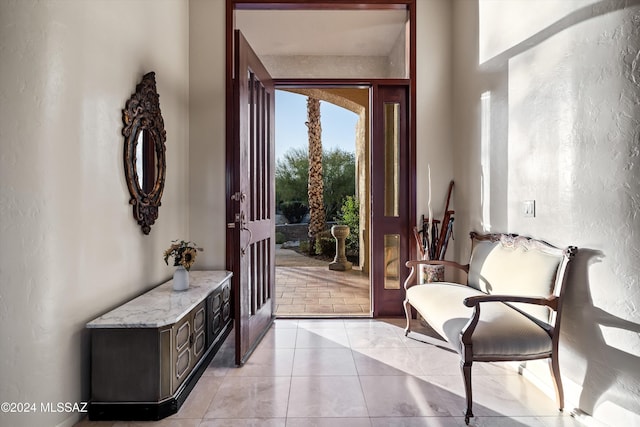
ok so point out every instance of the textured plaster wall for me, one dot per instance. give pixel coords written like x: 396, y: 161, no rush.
x: 324, y: 67
x: 207, y: 166
x: 434, y: 108
x: 560, y: 124
x: 398, y: 66
x: 392, y: 65
x: 71, y: 249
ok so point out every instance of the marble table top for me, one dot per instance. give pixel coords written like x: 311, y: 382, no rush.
x: 162, y: 306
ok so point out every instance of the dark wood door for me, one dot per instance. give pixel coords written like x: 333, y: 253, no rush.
x: 252, y: 222
x: 390, y: 213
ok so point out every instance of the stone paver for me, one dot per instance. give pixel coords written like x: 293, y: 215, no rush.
x: 308, y: 291
x: 306, y: 287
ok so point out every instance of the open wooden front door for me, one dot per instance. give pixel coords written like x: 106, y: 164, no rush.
x: 252, y: 222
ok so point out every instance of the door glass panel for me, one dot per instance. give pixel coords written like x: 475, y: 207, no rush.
x: 392, y: 261
x: 391, y: 158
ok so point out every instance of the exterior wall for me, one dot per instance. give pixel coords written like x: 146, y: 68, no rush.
x: 552, y: 102
x: 71, y: 249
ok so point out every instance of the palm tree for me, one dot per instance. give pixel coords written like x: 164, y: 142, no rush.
x: 315, y: 187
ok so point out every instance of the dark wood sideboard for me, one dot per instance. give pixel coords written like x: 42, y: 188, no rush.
x: 148, y: 354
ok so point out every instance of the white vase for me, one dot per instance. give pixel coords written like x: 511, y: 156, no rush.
x: 180, y: 279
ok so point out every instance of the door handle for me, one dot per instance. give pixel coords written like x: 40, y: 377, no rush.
x: 243, y: 227
x: 240, y: 218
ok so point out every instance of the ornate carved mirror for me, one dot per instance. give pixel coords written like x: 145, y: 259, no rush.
x: 144, y: 151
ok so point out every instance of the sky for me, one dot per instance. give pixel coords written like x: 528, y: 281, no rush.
x: 338, y: 124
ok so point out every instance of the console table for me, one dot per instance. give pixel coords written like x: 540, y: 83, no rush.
x: 148, y: 354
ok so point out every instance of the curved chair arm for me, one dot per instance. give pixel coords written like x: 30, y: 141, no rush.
x: 551, y: 301
x: 413, y: 264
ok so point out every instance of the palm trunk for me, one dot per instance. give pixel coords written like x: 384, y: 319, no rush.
x: 315, y: 187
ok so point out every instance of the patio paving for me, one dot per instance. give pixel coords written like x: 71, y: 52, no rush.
x: 305, y: 287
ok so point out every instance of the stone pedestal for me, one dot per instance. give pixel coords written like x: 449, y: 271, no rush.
x: 340, y: 263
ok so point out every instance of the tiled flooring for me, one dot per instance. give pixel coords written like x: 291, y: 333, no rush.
x: 353, y: 372
x: 318, y: 291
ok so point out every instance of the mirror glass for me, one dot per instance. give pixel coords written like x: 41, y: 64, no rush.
x: 145, y: 161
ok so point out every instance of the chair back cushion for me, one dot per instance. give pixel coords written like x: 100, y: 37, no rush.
x: 515, y: 267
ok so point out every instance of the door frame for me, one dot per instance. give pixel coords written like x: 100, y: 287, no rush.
x: 409, y: 5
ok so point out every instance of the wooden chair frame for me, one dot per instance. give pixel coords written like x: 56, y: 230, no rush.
x: 553, y: 302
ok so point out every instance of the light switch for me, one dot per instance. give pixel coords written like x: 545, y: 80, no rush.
x: 529, y: 208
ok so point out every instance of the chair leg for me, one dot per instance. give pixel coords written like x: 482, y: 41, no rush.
x: 554, y: 367
x: 466, y: 373
x: 407, y: 312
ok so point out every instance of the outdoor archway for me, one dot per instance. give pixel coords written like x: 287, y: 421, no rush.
x: 356, y: 100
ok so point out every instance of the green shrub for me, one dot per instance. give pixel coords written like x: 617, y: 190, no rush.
x: 280, y: 237
x: 304, y: 246
x: 325, y: 244
x: 349, y: 214
x: 293, y: 211
x: 338, y: 172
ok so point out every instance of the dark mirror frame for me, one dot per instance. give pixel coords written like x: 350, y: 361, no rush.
x: 142, y: 114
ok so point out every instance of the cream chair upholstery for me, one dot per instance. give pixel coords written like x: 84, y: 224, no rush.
x: 509, y: 309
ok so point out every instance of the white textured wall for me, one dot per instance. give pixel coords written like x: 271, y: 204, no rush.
x: 71, y: 249
x: 564, y: 130
x: 207, y: 166
x: 398, y: 58
x: 325, y: 67
x: 433, y: 109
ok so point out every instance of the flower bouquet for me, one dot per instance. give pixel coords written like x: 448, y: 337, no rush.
x: 183, y: 253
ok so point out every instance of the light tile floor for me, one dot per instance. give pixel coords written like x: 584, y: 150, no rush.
x: 318, y: 291
x: 354, y: 372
